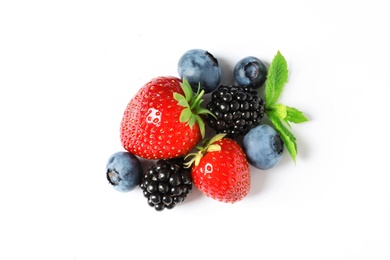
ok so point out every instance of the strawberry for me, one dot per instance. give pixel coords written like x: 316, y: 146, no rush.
x: 220, y: 170
x: 162, y: 120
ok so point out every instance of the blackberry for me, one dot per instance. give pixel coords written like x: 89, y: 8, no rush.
x: 166, y: 183
x: 237, y: 110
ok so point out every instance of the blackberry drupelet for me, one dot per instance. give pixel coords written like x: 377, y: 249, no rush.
x: 166, y: 183
x: 237, y: 110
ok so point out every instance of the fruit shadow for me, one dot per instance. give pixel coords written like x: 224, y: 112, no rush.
x: 146, y: 163
x: 303, y: 149
x: 227, y: 76
x: 258, y: 181
x: 194, y: 195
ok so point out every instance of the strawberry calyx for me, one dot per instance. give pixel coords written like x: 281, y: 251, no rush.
x: 208, y: 146
x: 191, y: 102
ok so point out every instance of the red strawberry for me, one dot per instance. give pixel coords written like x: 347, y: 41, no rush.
x: 221, y: 170
x: 163, y: 120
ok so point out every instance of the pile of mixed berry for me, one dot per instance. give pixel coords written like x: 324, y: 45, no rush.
x: 209, y: 145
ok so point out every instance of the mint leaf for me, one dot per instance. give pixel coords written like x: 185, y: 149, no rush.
x: 280, y: 110
x: 276, y: 78
x: 295, y: 116
x: 287, y: 114
x: 287, y: 137
x: 280, y: 115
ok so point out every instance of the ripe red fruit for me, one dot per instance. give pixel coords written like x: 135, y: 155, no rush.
x: 163, y: 120
x: 220, y: 170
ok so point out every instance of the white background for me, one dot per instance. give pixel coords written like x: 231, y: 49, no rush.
x: 68, y: 69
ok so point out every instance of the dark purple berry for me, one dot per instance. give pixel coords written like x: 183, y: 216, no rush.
x: 237, y: 109
x: 166, y: 183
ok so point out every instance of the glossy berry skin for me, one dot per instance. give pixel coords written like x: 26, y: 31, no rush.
x: 223, y: 175
x: 250, y: 71
x: 200, y: 66
x: 263, y: 147
x: 124, y: 171
x: 166, y: 184
x: 151, y: 126
x: 237, y: 109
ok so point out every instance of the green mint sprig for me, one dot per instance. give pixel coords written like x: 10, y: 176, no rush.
x: 280, y: 115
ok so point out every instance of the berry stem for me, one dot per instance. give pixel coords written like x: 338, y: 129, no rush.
x: 192, y: 106
x: 209, y: 146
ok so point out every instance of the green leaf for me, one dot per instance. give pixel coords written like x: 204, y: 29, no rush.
x: 203, y: 111
x: 188, y: 93
x: 192, y: 103
x: 216, y: 137
x: 287, y: 137
x: 181, y: 100
x: 295, y: 116
x: 280, y: 110
x: 178, y: 96
x: 202, y: 126
x: 214, y: 148
x: 183, y: 103
x: 185, y: 115
x: 192, y: 120
x: 208, y: 146
x: 197, y: 101
x: 276, y: 79
x: 280, y: 115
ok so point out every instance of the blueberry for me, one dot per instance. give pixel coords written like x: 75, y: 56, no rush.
x: 250, y: 71
x: 263, y: 147
x: 124, y: 171
x: 200, y: 66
